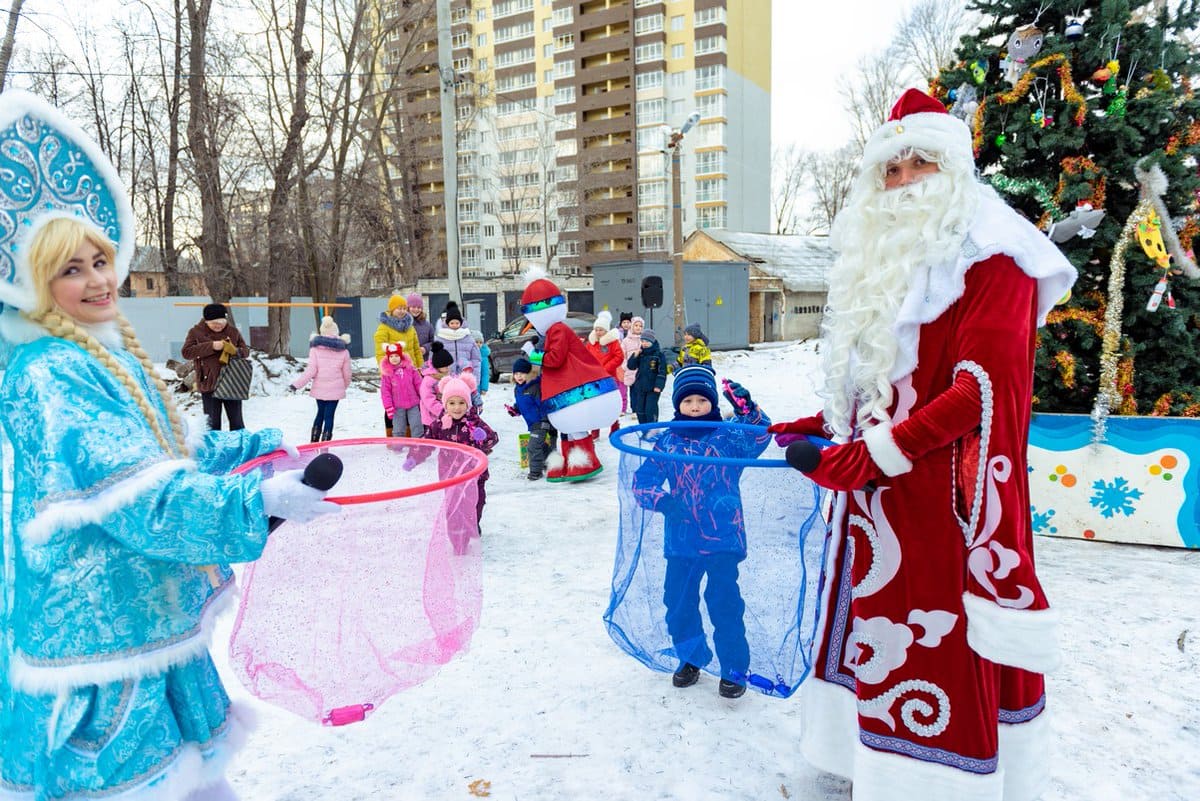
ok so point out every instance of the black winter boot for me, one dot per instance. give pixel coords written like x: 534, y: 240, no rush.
x: 729, y: 689
x: 328, y: 435
x: 687, y: 675
x: 316, y: 434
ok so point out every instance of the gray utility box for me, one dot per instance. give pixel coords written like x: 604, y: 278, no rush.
x: 716, y: 295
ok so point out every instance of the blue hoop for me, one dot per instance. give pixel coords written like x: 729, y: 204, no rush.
x: 615, y: 440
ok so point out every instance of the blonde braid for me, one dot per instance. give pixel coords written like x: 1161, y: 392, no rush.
x: 64, y: 327
x: 135, y: 347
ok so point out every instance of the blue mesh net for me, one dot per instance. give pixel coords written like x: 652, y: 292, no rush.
x: 719, y: 556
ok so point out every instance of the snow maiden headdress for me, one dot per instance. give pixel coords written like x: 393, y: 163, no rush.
x: 49, y: 168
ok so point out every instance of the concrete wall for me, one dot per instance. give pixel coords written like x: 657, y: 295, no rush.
x: 716, y: 295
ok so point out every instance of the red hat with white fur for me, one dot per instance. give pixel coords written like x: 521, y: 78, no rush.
x: 918, y: 122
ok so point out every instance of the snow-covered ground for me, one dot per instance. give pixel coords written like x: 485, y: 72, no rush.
x: 542, y: 677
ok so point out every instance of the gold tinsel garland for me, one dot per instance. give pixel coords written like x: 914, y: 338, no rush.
x: 1116, y: 375
x: 1066, y: 82
x: 1064, y: 313
x: 1065, y: 363
x: 1162, y: 406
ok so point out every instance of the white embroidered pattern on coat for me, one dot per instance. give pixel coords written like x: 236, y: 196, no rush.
x: 985, y: 432
x: 880, y: 706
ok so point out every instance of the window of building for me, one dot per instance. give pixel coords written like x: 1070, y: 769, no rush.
x: 711, y: 217
x: 548, y: 50
x: 652, y: 219
x: 710, y: 16
x: 650, y: 243
x: 564, y: 41
x: 564, y: 95
x: 678, y: 80
x: 489, y: 230
x: 709, y: 189
x: 710, y: 44
x: 481, y: 40
x: 547, y: 25
x: 678, y: 51
x: 483, y: 64
x: 710, y: 134
x: 512, y: 32
x: 651, y: 165
x: 651, y: 111
x: 460, y: 40
x: 711, y: 105
x: 677, y: 23
x: 564, y: 16
x: 506, y: 8
x: 564, y: 69
x: 710, y: 161
x: 710, y: 77
x: 652, y: 193
x: 514, y: 57
x: 651, y: 23
x: 480, y: 14
x: 648, y: 52
x: 649, y: 80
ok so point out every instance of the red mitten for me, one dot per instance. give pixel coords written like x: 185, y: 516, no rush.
x: 846, y: 467
x: 787, y: 433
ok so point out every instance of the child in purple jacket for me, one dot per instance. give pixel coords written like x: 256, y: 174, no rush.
x: 461, y: 423
x: 400, y: 392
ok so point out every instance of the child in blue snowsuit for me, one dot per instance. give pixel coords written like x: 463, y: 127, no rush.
x: 704, y: 528
x: 651, y: 367
x: 543, y: 439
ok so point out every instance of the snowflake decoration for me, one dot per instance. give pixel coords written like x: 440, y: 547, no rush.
x: 1114, y: 497
x: 1041, y: 521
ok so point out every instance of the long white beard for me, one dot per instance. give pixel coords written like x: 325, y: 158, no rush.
x: 883, y: 237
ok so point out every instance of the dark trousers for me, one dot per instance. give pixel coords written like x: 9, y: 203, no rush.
x: 722, y: 597
x: 212, y: 408
x: 543, y: 439
x: 324, y: 419
x: 645, y: 405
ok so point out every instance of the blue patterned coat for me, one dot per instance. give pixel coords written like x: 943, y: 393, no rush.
x: 115, y: 562
x: 701, y: 503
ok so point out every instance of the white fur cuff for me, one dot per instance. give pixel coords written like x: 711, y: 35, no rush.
x: 880, y: 776
x: 884, y: 450
x: 1026, y: 753
x: 1020, y: 638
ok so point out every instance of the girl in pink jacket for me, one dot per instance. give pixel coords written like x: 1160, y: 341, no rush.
x: 400, y: 391
x: 329, y: 371
x: 438, y: 367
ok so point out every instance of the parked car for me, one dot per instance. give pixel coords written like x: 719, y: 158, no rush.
x: 506, y: 345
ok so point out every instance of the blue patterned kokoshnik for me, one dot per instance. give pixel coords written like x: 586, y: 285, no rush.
x: 591, y: 389
x: 49, y: 166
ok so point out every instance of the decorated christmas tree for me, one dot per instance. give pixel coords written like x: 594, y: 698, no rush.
x: 1086, y: 121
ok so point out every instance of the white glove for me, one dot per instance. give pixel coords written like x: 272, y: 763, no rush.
x: 285, y: 495
x: 290, y: 449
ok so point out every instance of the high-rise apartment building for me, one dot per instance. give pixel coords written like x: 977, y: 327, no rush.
x: 561, y: 111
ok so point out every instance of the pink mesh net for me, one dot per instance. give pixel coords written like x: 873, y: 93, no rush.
x: 342, y: 613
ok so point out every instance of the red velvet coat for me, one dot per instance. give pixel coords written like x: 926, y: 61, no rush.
x: 935, y: 628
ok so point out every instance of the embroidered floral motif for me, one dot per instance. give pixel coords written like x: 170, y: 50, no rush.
x: 880, y: 706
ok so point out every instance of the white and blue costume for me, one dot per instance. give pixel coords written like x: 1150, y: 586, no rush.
x: 115, y: 558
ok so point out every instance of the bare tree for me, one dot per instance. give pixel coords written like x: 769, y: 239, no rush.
x: 206, y: 158
x: 926, y: 38
x: 870, y: 90
x: 10, y: 35
x: 789, y: 174
x: 831, y: 174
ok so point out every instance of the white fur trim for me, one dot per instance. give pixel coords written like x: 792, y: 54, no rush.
x: 880, y: 776
x: 191, y: 771
x: 930, y: 131
x: 996, y: 229
x: 554, y: 461
x: 65, y: 515
x: 579, y: 457
x: 1020, y: 638
x: 19, y: 330
x: 195, y: 432
x: 828, y: 726
x: 38, y: 679
x: 884, y: 450
x: 1026, y: 752
x: 612, y: 336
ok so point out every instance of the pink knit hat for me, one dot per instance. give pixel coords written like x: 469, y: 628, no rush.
x: 456, y: 386
x: 415, y: 303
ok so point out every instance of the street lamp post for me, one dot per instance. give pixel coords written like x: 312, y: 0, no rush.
x: 675, y: 142
x: 449, y: 149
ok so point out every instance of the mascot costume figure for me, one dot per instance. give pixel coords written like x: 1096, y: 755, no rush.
x: 578, y: 395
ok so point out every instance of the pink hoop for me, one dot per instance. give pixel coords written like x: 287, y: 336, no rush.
x: 481, y: 464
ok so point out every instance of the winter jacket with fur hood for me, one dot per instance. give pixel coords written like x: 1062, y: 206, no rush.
x: 328, y: 368
x: 607, y: 351
x: 399, y: 385
x: 398, y: 329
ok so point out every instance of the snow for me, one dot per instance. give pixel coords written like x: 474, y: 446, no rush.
x: 544, y: 706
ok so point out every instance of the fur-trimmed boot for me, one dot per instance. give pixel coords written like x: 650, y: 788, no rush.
x: 582, y: 462
x: 316, y: 434
x: 556, y: 462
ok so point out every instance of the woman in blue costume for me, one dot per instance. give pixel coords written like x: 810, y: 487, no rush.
x: 116, y: 559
